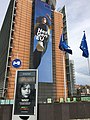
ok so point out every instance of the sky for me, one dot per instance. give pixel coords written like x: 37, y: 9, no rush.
x: 3, y: 8
x: 78, y: 20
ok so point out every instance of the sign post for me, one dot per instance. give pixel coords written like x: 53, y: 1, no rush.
x: 25, y: 99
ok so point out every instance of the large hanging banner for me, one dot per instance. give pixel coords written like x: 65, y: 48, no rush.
x: 25, y: 104
x: 42, y: 53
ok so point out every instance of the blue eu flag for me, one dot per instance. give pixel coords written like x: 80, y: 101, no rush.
x: 84, y: 47
x: 63, y: 46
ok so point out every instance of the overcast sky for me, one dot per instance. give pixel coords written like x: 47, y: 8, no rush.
x: 3, y: 8
x: 78, y: 20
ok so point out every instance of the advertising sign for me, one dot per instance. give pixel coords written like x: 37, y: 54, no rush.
x: 26, y: 94
x: 42, y: 53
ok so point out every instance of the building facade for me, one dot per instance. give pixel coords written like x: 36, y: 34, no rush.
x: 19, y: 21
x: 67, y: 63
x: 72, y: 78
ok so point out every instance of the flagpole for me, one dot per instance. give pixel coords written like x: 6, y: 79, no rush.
x: 88, y: 65
x: 64, y: 47
x: 64, y: 76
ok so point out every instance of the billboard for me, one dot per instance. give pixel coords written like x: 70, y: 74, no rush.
x: 51, y: 2
x: 42, y: 53
x: 26, y: 94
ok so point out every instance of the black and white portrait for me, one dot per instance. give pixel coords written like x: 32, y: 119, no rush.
x: 25, y: 96
x: 25, y: 90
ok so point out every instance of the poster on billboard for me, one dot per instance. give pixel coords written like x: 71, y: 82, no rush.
x: 25, y: 99
x: 42, y: 53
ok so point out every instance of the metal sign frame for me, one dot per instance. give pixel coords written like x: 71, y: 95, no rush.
x: 31, y: 116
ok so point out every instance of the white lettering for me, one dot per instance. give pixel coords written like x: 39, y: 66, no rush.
x: 41, y: 34
x: 25, y: 100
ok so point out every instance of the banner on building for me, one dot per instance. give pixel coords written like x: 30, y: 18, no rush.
x: 25, y: 102
x: 42, y: 53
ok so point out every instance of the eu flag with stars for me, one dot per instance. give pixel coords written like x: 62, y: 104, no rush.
x: 63, y: 45
x: 84, y: 47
